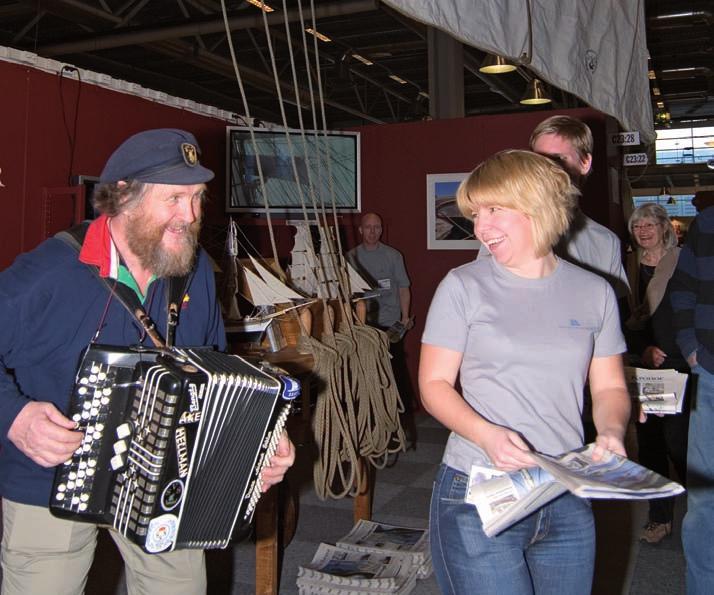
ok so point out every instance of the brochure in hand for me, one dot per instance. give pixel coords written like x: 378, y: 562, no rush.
x: 658, y: 391
x: 502, y: 499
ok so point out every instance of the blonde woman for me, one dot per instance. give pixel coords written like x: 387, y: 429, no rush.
x: 521, y: 332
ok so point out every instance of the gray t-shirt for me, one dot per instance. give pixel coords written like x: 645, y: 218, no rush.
x: 527, y: 346
x: 384, y: 268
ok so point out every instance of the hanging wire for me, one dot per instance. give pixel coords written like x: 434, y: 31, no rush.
x: 251, y: 130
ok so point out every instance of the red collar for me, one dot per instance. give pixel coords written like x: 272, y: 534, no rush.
x: 98, y: 248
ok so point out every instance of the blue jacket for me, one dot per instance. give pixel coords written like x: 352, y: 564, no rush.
x: 692, y: 291
x: 51, y: 305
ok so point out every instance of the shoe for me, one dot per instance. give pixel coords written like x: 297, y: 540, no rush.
x: 655, y: 532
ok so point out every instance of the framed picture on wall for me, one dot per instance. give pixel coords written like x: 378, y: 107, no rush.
x: 447, y: 228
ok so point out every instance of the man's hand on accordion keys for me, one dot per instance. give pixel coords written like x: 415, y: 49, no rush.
x: 280, y: 462
x: 44, y: 435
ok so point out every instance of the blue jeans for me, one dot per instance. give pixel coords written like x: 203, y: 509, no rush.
x: 698, y: 526
x: 552, y: 551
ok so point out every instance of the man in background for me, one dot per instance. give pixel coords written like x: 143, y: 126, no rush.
x: 383, y: 267
x: 587, y: 244
x: 692, y: 294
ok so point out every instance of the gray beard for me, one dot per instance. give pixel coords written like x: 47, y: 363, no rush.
x: 146, y: 245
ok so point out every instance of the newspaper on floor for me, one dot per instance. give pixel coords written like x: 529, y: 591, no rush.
x: 370, y: 536
x: 309, y: 587
x: 350, y: 571
x: 502, y: 499
x: 658, y: 391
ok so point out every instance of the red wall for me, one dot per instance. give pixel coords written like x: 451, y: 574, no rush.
x: 396, y: 158
x: 35, y: 153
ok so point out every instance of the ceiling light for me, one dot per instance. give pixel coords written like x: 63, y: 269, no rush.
x: 535, y: 93
x: 264, y: 7
x: 362, y: 59
x: 655, y: 91
x: 651, y: 75
x: 493, y: 64
x: 317, y: 34
x: 424, y: 94
x: 662, y: 118
x: 399, y: 79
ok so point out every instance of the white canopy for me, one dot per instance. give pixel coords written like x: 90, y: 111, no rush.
x: 594, y: 49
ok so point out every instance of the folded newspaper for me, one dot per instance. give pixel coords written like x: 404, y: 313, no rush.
x: 373, y: 537
x: 336, y: 570
x: 658, y: 391
x: 502, y: 499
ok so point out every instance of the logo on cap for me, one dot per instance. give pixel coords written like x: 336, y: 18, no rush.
x: 189, y: 154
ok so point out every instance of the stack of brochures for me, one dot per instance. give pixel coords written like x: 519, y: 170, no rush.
x: 658, y: 391
x: 503, y: 499
x: 371, y: 558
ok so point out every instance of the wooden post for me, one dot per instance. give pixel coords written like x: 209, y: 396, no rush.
x: 266, y: 544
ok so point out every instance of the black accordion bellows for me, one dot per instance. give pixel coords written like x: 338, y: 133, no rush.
x: 175, y: 441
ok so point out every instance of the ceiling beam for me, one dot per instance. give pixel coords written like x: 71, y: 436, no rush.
x: 195, y: 27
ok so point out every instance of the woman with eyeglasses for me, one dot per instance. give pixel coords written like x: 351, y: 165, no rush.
x: 651, y: 340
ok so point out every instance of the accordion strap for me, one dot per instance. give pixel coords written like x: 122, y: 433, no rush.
x: 176, y: 289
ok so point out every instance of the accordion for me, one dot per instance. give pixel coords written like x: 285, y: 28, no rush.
x: 174, y: 444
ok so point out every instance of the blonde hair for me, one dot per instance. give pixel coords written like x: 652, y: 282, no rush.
x: 526, y: 182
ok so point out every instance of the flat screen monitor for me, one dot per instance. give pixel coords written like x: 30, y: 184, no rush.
x: 315, y: 154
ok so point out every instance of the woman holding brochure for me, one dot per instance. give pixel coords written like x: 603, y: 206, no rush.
x: 522, y: 331
x: 651, y: 340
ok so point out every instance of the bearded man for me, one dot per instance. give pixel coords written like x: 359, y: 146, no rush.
x: 54, y: 301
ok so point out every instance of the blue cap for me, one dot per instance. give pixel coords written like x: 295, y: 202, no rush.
x: 161, y: 156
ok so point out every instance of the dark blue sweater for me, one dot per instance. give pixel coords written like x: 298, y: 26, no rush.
x: 50, y: 308
x: 692, y: 291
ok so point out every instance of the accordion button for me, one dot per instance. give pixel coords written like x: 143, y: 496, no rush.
x: 102, y: 375
x: 99, y: 426
x: 82, y: 466
x: 59, y: 496
x: 107, y: 391
x: 120, y: 447
x: 92, y: 378
x: 91, y: 463
x: 116, y: 462
x: 72, y: 475
x: 70, y: 485
x: 79, y: 483
x: 82, y: 507
x: 75, y: 500
x: 95, y: 369
x: 80, y: 474
x: 61, y: 487
x: 82, y: 390
x: 83, y: 381
x: 90, y: 472
x: 84, y: 497
x: 123, y: 430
